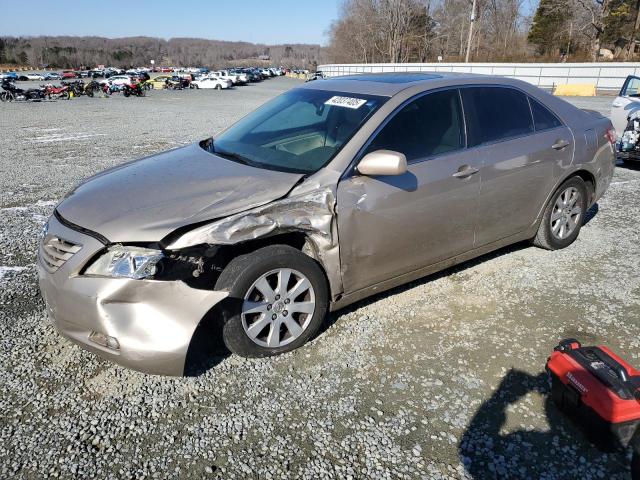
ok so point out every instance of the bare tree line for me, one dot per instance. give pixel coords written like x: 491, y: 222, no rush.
x: 431, y: 30
x: 381, y: 31
x: 73, y: 52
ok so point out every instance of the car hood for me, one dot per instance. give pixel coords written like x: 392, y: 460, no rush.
x: 145, y: 200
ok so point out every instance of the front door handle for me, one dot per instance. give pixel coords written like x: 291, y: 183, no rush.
x: 465, y: 171
x: 617, y: 104
x: 560, y: 144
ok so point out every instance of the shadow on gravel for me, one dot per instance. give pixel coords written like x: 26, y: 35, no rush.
x: 635, y: 166
x: 332, y: 318
x: 207, y: 348
x: 591, y: 213
x: 560, y: 452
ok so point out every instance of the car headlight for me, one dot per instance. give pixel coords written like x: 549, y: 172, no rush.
x: 126, y: 262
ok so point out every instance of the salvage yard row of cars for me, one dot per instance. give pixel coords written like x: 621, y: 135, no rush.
x: 256, y: 73
x: 131, y: 83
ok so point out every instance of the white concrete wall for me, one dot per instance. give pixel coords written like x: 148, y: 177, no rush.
x: 606, y: 76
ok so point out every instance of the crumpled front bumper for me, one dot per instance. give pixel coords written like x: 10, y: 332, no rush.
x: 152, y: 321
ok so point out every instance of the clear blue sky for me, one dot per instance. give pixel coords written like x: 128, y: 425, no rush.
x: 258, y: 21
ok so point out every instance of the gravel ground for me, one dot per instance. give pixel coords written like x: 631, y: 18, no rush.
x: 438, y: 379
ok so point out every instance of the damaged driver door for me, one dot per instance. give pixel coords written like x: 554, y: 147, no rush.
x: 390, y: 225
x: 627, y: 102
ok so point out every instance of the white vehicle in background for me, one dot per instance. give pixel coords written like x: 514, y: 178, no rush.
x: 625, y: 117
x: 627, y: 102
x: 244, y: 78
x: 118, y: 80
x: 211, y: 82
x: 235, y: 79
x: 35, y: 76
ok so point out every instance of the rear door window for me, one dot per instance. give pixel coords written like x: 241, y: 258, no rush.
x: 543, y: 118
x: 495, y: 114
x: 430, y: 125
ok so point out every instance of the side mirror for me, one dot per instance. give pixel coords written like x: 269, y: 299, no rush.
x: 383, y: 162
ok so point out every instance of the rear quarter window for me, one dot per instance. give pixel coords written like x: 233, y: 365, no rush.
x: 495, y: 114
x: 543, y: 118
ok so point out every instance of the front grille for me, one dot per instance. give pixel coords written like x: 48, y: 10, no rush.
x: 54, y: 252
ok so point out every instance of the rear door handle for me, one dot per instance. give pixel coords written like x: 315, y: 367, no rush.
x: 465, y: 171
x: 617, y: 104
x: 560, y: 144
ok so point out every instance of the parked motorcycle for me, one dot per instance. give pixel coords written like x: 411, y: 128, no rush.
x: 108, y: 89
x: 75, y: 87
x: 58, y: 92
x: 91, y: 88
x: 133, y: 89
x: 171, y: 85
x: 12, y: 93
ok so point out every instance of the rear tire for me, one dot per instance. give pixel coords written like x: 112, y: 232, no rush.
x: 282, y: 321
x: 564, y: 215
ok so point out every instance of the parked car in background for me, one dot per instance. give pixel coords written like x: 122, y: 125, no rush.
x: 111, y: 71
x: 183, y: 79
x: 212, y: 82
x: 159, y: 82
x: 69, y: 74
x: 9, y: 75
x: 285, y: 216
x: 235, y: 79
x: 242, y: 76
x: 52, y: 76
x: 119, y: 80
x: 35, y: 76
x: 254, y: 75
x: 316, y: 76
x: 625, y: 116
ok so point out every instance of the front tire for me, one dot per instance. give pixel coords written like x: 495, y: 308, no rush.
x: 564, y: 216
x: 279, y: 298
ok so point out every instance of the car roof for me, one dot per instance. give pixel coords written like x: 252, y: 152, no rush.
x: 389, y: 84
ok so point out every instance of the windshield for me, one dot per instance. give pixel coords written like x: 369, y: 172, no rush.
x: 299, y: 131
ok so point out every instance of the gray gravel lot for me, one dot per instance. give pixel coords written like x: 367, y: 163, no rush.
x: 437, y: 379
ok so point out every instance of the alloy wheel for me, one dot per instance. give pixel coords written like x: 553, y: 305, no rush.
x: 567, y: 213
x: 278, y: 307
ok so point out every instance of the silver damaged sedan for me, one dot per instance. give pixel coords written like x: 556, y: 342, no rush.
x: 329, y: 193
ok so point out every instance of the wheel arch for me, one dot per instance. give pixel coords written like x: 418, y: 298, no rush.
x: 297, y: 239
x: 221, y: 255
x: 587, y: 177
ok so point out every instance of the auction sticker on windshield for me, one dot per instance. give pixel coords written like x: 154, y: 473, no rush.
x: 348, y: 102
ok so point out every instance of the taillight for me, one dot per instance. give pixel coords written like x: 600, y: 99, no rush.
x: 610, y: 135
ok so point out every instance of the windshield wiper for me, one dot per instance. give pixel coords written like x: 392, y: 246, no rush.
x: 235, y: 156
